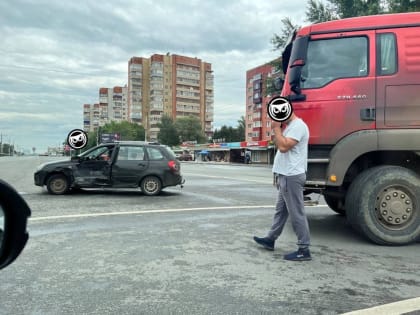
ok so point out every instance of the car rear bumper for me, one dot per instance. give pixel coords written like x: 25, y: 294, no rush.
x: 173, y: 180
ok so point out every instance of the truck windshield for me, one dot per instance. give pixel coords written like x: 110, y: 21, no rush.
x: 331, y: 59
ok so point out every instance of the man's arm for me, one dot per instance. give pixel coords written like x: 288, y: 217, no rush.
x: 283, y: 143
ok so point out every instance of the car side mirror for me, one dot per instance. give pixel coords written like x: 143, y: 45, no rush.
x: 14, y: 213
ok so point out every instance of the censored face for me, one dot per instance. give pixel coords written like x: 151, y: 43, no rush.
x: 279, y: 109
x: 77, y: 139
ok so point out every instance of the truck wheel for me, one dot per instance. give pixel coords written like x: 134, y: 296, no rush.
x: 151, y: 185
x: 57, y: 184
x: 383, y: 203
x: 353, y: 198
x: 336, y: 204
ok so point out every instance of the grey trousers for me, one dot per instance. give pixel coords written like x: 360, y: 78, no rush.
x: 290, y: 202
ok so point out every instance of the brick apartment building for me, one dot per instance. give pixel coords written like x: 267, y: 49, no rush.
x: 112, y: 106
x: 259, y: 90
x: 172, y: 85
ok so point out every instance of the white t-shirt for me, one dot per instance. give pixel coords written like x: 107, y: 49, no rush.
x: 294, y: 161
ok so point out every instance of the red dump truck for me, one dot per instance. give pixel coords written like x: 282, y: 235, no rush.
x: 356, y: 83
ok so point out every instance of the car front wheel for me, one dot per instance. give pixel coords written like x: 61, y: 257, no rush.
x: 151, y: 185
x: 57, y: 184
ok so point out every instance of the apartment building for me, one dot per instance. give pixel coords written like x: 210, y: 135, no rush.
x: 259, y: 90
x: 172, y: 85
x: 112, y: 106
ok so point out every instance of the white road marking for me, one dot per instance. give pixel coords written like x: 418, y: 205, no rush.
x: 87, y: 215
x: 104, y: 214
x: 397, y: 308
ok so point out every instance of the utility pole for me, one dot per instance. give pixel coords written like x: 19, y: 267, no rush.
x: 1, y: 143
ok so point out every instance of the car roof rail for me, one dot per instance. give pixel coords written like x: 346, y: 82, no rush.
x: 137, y: 142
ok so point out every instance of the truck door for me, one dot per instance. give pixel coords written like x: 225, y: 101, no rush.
x: 398, y: 86
x: 338, y: 82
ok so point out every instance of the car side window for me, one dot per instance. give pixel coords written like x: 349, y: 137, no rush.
x: 154, y: 154
x: 123, y: 154
x: 133, y: 153
x: 102, y: 153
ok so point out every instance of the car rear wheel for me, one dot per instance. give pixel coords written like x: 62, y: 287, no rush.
x: 151, y: 185
x: 57, y: 184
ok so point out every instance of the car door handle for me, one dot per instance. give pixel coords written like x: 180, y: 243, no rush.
x: 141, y: 164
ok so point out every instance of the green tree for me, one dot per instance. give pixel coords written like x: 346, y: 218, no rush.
x: 278, y: 41
x: 168, y: 133
x: 230, y: 134
x: 127, y: 130
x: 317, y: 11
x: 240, y: 129
x: 189, y: 129
x: 351, y: 8
x: 396, y: 6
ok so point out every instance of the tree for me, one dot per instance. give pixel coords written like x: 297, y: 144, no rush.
x: 396, y: 6
x: 351, y: 8
x: 168, y: 133
x: 189, y: 129
x: 278, y: 41
x: 230, y: 134
x: 317, y: 11
x: 127, y: 130
x: 241, y: 129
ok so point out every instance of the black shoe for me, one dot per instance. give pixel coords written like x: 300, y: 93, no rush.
x: 300, y: 255
x: 265, y: 242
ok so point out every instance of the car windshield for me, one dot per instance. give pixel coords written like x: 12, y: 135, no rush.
x: 141, y: 135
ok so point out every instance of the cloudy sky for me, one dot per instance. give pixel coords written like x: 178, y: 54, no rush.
x: 55, y: 55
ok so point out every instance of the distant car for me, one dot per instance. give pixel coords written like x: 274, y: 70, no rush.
x: 149, y: 166
x: 185, y: 157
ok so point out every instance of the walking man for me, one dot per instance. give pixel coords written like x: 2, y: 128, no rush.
x: 289, y: 169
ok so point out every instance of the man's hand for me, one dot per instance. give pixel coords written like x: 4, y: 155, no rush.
x: 284, y: 144
x: 275, y: 124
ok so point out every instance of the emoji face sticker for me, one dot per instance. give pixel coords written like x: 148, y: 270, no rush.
x: 279, y: 109
x: 77, y: 139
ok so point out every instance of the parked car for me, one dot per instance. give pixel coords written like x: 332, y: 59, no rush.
x: 149, y: 166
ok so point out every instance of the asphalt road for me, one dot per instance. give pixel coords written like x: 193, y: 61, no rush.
x: 190, y: 251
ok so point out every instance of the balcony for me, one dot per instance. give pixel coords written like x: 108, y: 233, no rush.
x: 135, y: 116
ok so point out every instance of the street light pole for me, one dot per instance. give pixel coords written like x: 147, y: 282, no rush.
x: 1, y: 143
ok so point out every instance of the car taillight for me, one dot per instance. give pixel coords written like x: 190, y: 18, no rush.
x: 173, y: 166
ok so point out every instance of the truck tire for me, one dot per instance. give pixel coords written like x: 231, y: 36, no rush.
x: 353, y: 198
x: 383, y: 203
x: 57, y: 184
x: 336, y: 204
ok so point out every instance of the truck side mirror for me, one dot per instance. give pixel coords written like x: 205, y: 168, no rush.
x: 14, y: 213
